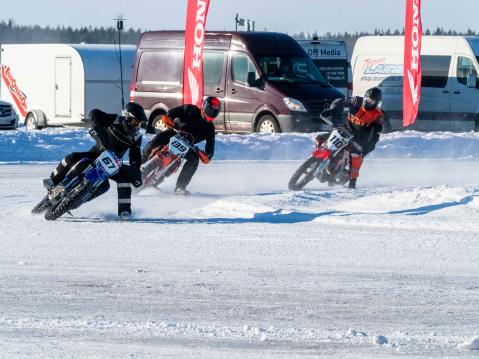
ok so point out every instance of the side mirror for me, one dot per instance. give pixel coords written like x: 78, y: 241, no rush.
x: 252, y: 82
x: 471, y: 80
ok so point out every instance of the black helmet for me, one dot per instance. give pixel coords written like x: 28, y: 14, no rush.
x: 133, y: 117
x: 211, y: 107
x: 372, y: 98
x: 133, y: 110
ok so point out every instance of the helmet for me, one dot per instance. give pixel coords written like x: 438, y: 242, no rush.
x: 133, y: 110
x: 210, y: 108
x: 134, y: 115
x: 372, y: 98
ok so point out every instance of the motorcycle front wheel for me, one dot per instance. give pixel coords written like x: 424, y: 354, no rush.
x: 304, y: 174
x: 42, y: 206
x: 71, y: 202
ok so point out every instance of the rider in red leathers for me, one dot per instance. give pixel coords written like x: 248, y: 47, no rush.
x: 365, y: 120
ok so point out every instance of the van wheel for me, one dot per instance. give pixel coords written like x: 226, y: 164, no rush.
x: 268, y: 124
x: 31, y: 123
x: 157, y: 124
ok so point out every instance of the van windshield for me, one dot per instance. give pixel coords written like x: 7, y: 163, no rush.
x: 288, y: 68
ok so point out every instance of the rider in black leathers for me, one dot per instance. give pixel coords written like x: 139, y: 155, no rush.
x: 117, y: 134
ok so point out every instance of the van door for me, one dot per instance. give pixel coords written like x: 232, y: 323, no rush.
x: 63, y: 76
x: 434, y: 108
x: 242, y: 100
x: 464, y: 100
x: 214, y: 79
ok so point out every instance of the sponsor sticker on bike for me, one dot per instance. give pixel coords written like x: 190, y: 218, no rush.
x: 109, y: 162
x: 178, y: 146
x: 335, y: 141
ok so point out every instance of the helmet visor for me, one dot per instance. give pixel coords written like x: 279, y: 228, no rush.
x: 370, y: 102
x: 210, y: 114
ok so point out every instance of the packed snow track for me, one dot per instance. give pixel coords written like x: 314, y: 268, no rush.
x: 246, y: 269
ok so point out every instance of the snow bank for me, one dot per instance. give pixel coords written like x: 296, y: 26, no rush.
x: 54, y: 143
x: 472, y: 344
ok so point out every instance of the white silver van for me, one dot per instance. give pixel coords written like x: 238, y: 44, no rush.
x: 449, y: 91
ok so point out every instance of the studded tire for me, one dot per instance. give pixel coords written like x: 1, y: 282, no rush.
x: 70, y: 202
x: 304, y: 174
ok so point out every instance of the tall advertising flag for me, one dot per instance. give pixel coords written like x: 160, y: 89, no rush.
x: 193, y: 60
x: 412, y: 62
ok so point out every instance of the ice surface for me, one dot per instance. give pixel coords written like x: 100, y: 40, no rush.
x: 245, y: 268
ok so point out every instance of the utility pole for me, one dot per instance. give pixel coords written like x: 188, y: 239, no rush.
x: 242, y: 22
x: 119, y: 27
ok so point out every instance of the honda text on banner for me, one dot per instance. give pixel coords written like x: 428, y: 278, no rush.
x: 412, y: 63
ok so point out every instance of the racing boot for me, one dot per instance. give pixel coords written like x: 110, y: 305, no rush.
x: 180, y: 191
x: 48, y: 183
x: 125, y: 215
x: 352, y: 183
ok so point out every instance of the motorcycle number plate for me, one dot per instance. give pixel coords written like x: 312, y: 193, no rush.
x: 178, y: 146
x: 109, y: 163
x: 335, y: 141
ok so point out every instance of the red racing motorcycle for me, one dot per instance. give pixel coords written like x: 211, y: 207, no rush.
x: 165, y: 160
x: 330, y: 160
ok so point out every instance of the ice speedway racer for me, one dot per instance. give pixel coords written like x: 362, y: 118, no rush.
x: 86, y: 180
x: 330, y: 160
x: 166, y: 160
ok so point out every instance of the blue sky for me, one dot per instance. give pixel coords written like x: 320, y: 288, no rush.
x: 274, y: 15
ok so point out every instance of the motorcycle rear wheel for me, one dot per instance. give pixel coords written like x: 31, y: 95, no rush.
x: 304, y: 174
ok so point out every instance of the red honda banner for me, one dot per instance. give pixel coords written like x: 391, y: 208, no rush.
x: 412, y: 62
x: 193, y: 60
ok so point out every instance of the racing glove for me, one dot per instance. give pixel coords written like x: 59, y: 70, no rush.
x: 167, y: 121
x: 204, y: 157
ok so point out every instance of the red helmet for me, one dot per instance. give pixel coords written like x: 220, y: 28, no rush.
x: 210, y: 107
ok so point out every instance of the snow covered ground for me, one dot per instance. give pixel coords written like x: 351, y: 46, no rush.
x: 245, y: 268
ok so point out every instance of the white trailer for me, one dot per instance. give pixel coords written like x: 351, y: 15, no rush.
x: 58, y: 84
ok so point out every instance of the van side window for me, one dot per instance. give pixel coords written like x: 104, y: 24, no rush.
x: 213, y: 66
x: 465, y: 66
x: 164, y: 66
x: 241, y: 66
x: 435, y: 70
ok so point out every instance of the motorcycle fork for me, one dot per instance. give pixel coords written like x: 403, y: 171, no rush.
x: 323, y: 165
x: 337, y: 162
x: 167, y: 168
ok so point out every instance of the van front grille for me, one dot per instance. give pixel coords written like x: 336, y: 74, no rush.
x: 5, y: 110
x: 316, y: 107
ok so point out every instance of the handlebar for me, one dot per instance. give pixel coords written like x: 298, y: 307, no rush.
x: 330, y: 123
x: 327, y: 120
